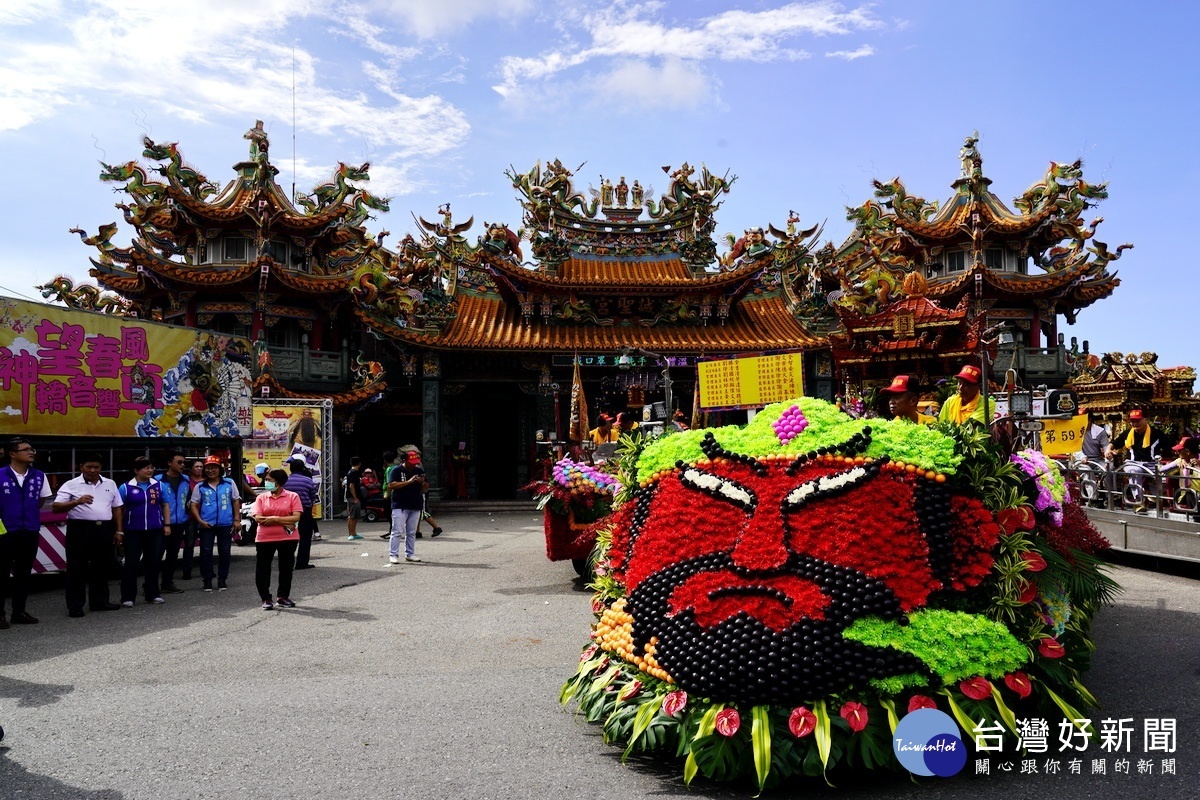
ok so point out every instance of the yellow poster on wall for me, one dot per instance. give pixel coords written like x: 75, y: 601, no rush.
x: 283, y: 431
x: 80, y: 373
x: 1061, y: 437
x: 750, y: 381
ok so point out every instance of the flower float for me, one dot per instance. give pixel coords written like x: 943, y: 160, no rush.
x: 777, y: 593
x: 573, y: 499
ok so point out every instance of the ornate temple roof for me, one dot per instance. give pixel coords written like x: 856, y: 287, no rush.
x: 1125, y: 382
x: 898, y: 234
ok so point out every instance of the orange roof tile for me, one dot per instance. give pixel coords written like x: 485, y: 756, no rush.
x: 486, y: 322
x: 624, y: 272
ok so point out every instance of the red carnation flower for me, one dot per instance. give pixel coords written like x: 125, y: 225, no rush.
x: 1028, y: 594
x: 1019, y: 682
x: 1035, y: 561
x: 855, y: 714
x: 920, y: 701
x: 728, y: 722
x: 977, y: 688
x: 802, y: 722
x: 1050, y: 648
x: 674, y: 702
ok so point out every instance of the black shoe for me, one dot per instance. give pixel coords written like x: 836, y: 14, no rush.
x: 76, y: 613
x: 105, y: 607
x: 221, y: 585
x: 24, y: 618
x: 436, y: 533
x: 387, y: 535
x: 170, y: 588
x: 305, y: 566
x: 420, y: 535
x: 208, y: 586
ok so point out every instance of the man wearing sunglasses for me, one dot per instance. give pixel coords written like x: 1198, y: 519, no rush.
x: 23, y: 492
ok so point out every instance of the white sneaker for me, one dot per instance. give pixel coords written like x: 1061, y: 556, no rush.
x: 126, y: 604
x: 393, y: 559
x: 156, y: 601
x: 411, y: 558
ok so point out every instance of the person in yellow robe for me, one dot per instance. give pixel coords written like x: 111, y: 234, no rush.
x: 967, y: 403
x: 902, y: 401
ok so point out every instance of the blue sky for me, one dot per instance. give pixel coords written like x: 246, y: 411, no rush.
x: 805, y: 102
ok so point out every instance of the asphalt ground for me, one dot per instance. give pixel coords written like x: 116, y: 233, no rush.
x: 441, y: 679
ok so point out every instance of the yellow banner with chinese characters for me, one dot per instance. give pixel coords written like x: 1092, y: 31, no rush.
x: 283, y: 431
x: 750, y: 381
x: 65, y: 372
x: 1061, y: 437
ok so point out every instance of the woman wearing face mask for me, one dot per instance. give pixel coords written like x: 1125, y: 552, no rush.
x: 276, y: 511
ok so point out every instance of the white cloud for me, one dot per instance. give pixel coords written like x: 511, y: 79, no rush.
x: 851, y: 55
x: 241, y: 67
x: 675, y: 84
x: 428, y: 19
x: 627, y: 30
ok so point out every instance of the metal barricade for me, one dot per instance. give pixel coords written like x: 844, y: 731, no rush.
x: 1134, y: 486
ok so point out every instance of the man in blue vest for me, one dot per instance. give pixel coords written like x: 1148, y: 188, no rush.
x: 23, y: 491
x: 215, y: 505
x: 177, y: 488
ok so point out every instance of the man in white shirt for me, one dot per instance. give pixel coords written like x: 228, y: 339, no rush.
x: 93, y: 507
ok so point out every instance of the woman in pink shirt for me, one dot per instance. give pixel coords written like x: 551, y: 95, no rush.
x: 276, y: 511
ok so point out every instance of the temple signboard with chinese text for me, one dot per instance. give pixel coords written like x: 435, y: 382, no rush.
x: 750, y: 381
x: 78, y: 373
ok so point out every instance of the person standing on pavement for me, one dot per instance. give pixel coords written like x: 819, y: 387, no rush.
x: 177, y: 488
x: 276, y: 511
x: 300, y: 482
x: 92, y: 504
x: 216, y: 506
x: 147, y: 518
x: 353, y: 482
x: 407, y: 486
x: 23, y: 492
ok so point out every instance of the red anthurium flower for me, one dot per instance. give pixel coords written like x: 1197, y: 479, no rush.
x: 977, y: 688
x: 855, y: 714
x: 631, y: 691
x: 1028, y: 594
x: 674, y: 702
x: 598, y: 606
x: 920, y: 701
x: 1050, y: 648
x: 588, y: 653
x: 802, y: 722
x: 1017, y: 519
x: 728, y: 721
x: 1035, y: 561
x: 1019, y: 682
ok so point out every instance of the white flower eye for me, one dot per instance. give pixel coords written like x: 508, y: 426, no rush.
x: 721, y: 488
x: 823, y: 485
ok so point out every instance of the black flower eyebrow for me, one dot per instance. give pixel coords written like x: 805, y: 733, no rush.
x: 720, y: 488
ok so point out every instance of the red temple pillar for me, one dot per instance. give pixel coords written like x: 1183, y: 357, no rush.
x: 1035, y: 330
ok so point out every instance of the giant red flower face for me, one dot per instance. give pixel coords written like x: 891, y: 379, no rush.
x: 778, y: 559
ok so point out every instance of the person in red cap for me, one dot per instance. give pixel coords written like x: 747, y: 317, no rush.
x: 1146, y: 445
x: 967, y: 403
x: 1186, y: 465
x: 902, y: 401
x: 604, y: 432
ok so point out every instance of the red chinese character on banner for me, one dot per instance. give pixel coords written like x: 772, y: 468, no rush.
x: 61, y: 348
x: 51, y: 397
x: 21, y: 368
x: 104, y: 356
x: 133, y: 344
x: 81, y: 391
x: 108, y: 403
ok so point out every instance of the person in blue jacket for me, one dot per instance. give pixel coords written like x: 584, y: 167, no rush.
x: 23, y: 492
x: 146, y: 517
x: 177, y: 488
x: 216, y: 505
